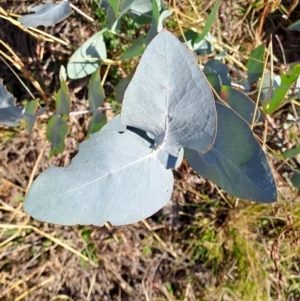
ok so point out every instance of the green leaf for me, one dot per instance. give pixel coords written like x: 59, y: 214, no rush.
x: 121, y: 87
x: 63, y: 101
x: 57, y: 130
x: 213, y: 78
x: 279, y: 93
x: 115, y: 4
x: 209, y: 22
x: 96, y: 94
x: 115, y: 11
x: 255, y: 64
x: 236, y: 162
x: 96, y: 98
x: 97, y: 122
x: 221, y: 69
x: 295, y: 26
x: 295, y: 179
x: 291, y: 152
x: 87, y: 58
x: 240, y: 103
x: 203, y: 47
x: 29, y: 115
x: 137, y: 48
x: 155, y: 11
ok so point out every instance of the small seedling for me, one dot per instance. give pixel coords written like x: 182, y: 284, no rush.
x: 122, y: 174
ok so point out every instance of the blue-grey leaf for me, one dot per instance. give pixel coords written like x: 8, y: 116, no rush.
x: 87, y: 58
x: 176, y: 106
x: 236, y: 162
x: 241, y: 104
x: 203, y: 47
x: 295, y: 26
x: 10, y: 115
x: 162, y: 17
x: 221, y: 69
x: 213, y: 78
x: 115, y: 177
x: 169, y: 161
x: 140, y: 7
x: 115, y: 125
x: 47, y: 14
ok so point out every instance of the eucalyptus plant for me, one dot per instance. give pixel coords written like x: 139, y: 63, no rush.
x: 123, y: 173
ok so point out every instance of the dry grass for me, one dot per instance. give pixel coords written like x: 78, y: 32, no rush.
x: 200, y: 247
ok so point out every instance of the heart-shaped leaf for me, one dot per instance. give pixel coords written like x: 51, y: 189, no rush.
x: 47, y: 14
x: 177, y: 106
x: 127, y: 184
x: 236, y: 161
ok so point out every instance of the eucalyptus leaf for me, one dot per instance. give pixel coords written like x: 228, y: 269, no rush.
x: 87, y: 58
x: 255, y: 64
x: 96, y: 98
x: 30, y: 114
x: 121, y: 87
x: 97, y: 122
x: 236, y: 161
x: 295, y: 179
x: 295, y: 26
x: 290, y: 153
x: 96, y: 94
x: 137, y: 48
x: 241, y: 104
x: 47, y: 14
x: 57, y: 130
x: 176, y: 106
x: 213, y: 78
x: 221, y: 69
x: 10, y: 115
x: 140, y: 7
x: 203, y: 47
x: 63, y: 101
x: 127, y: 184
